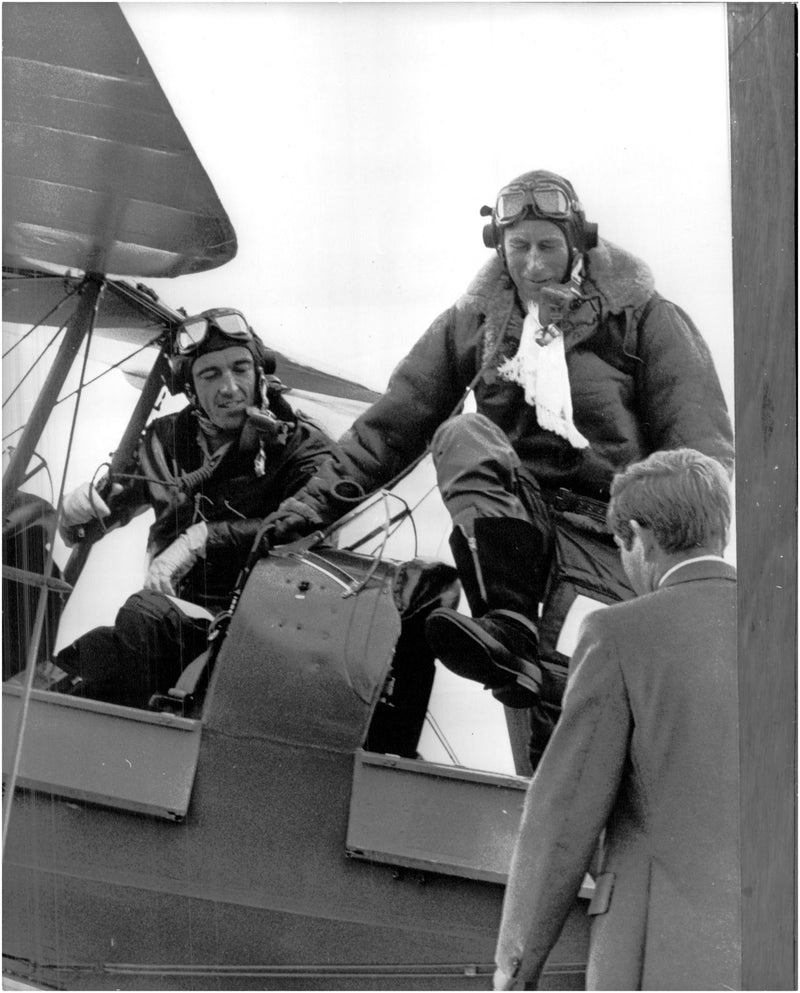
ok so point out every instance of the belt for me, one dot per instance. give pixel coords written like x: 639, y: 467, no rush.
x: 583, y: 511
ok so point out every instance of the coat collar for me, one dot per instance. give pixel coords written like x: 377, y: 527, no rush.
x: 705, y: 569
x: 615, y: 282
x: 621, y: 280
x: 617, y: 278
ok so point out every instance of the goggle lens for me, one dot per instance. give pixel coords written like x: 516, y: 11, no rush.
x: 193, y: 332
x: 511, y: 204
x: 546, y: 201
x: 233, y: 324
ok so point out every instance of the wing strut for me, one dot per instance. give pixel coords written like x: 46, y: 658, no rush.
x: 79, y: 326
x: 121, y: 459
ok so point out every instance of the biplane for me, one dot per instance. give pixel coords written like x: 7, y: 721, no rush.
x: 271, y: 825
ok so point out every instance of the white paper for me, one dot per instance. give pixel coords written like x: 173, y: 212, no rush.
x: 581, y: 607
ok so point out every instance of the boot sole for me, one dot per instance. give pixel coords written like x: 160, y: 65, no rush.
x: 478, y: 658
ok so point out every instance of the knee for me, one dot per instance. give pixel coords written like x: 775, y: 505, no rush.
x: 140, y: 614
x: 150, y: 602
x: 466, y: 434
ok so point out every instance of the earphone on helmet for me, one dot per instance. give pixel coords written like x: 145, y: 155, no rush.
x: 544, y: 196
x: 222, y: 327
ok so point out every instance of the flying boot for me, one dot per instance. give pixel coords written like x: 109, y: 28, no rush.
x: 503, y: 570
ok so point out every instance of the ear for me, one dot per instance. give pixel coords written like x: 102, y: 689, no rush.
x: 645, y: 537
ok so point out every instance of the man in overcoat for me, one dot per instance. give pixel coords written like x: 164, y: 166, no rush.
x: 647, y: 751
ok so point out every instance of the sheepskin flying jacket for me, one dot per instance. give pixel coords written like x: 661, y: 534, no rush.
x: 641, y: 377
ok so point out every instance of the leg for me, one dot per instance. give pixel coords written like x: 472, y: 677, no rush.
x: 86, y: 662
x: 157, y: 641
x: 501, y: 546
x: 477, y: 471
x: 586, y: 563
x: 419, y: 587
x: 146, y: 650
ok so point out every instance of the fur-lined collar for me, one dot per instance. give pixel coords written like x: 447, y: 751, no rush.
x: 619, y: 279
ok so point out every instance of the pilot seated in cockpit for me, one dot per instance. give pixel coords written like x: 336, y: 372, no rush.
x: 211, y: 472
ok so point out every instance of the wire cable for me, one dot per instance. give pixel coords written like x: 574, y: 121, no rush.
x: 437, y: 730
x: 88, y: 382
x: 111, y: 368
x: 42, y: 320
x: 41, y: 607
x: 33, y: 365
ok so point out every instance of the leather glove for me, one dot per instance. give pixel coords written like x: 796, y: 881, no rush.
x: 292, y: 520
x: 168, y: 569
x: 324, y: 498
x: 79, y: 506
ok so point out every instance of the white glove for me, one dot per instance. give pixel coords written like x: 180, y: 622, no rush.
x: 79, y: 506
x: 168, y: 569
x: 82, y: 504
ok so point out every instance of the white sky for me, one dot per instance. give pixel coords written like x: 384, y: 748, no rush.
x: 353, y: 145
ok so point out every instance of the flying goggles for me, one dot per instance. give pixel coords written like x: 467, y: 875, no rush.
x: 194, y: 330
x: 545, y: 200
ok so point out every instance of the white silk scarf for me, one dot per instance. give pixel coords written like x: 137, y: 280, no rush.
x: 540, y: 368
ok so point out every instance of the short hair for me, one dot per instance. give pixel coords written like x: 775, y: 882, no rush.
x: 682, y: 496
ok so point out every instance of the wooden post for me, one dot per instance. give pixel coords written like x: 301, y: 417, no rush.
x: 762, y: 49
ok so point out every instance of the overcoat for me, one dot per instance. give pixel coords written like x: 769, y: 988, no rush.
x: 647, y: 748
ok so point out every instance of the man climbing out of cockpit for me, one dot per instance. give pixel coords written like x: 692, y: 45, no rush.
x: 578, y: 368
x: 211, y: 472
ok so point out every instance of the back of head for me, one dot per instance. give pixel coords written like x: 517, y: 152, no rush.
x: 682, y: 496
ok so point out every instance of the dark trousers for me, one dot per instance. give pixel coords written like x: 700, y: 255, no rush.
x: 151, y: 643
x: 480, y: 475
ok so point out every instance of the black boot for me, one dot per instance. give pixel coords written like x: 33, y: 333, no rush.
x: 503, y: 571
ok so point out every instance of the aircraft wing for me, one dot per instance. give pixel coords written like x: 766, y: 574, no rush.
x: 132, y: 313
x: 308, y: 379
x: 98, y: 174
x: 125, y: 312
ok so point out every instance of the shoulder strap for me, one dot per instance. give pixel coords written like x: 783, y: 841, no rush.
x: 652, y: 301
x: 631, y: 341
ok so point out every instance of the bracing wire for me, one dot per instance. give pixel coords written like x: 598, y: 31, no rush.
x: 33, y: 365
x: 88, y: 382
x: 397, y: 520
x: 41, y: 607
x: 61, y: 302
x: 387, y: 532
x: 357, y: 587
x: 435, y: 727
x: 111, y: 368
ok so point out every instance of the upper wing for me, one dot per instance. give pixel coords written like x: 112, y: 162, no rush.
x: 98, y: 174
x: 134, y: 314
